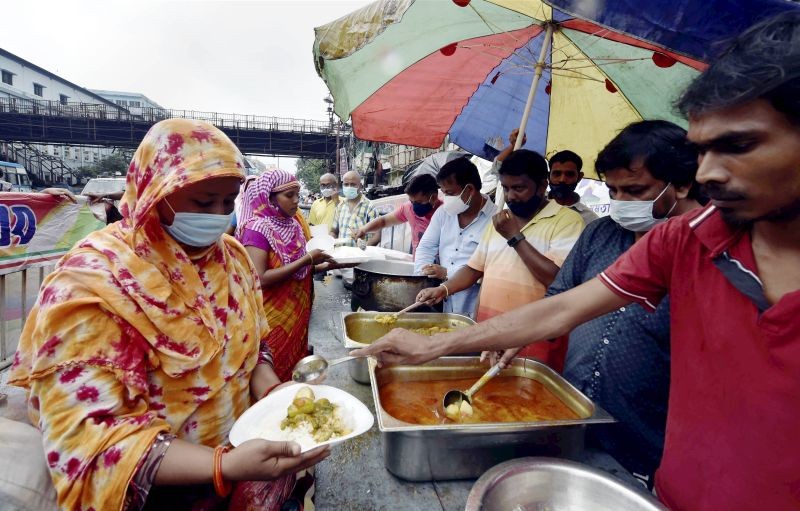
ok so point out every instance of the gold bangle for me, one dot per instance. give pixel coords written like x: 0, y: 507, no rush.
x: 310, y: 259
x: 447, y: 291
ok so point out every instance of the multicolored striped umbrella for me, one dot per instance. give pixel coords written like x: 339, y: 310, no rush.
x: 412, y: 72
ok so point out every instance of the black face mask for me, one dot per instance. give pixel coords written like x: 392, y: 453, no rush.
x: 421, y: 209
x: 562, y: 191
x: 527, y: 208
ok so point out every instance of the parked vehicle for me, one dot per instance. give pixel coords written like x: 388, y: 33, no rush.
x: 15, y: 177
x: 100, y: 186
x: 66, y: 186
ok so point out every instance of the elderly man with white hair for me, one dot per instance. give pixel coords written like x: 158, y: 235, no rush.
x: 351, y: 215
x: 355, y: 212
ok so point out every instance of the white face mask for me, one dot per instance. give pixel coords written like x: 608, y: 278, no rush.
x: 453, y: 204
x: 327, y: 192
x: 637, y: 215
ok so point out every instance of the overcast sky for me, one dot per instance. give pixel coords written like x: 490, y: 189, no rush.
x: 245, y: 57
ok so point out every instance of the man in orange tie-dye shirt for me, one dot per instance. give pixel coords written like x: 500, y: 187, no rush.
x: 520, y: 254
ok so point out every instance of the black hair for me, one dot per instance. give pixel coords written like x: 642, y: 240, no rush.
x: 423, y: 183
x: 661, y: 146
x: 113, y: 215
x: 762, y: 63
x: 524, y: 162
x: 462, y: 170
x: 567, y: 156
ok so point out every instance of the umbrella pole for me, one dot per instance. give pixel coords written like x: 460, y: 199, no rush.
x: 537, y: 75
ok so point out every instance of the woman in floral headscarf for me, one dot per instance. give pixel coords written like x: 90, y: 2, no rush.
x: 275, y: 236
x: 133, y: 373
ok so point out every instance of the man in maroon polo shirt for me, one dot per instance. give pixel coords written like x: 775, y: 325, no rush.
x: 733, y: 273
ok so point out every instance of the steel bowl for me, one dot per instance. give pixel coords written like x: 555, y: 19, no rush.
x: 555, y: 485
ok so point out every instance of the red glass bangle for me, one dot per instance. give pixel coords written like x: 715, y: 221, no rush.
x: 222, y: 487
x: 269, y: 389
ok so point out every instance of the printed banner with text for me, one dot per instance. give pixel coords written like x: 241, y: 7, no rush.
x: 37, y: 229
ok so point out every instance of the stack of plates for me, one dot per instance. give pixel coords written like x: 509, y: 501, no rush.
x: 354, y: 255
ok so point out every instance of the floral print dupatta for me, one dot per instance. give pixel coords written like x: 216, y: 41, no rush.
x: 131, y: 338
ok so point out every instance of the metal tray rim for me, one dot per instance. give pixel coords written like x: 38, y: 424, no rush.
x: 599, y: 415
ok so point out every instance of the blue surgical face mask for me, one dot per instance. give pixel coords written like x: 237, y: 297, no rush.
x: 350, y: 192
x: 197, y: 229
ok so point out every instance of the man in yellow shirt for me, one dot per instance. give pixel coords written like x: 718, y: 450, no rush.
x: 520, y: 254
x: 324, y: 208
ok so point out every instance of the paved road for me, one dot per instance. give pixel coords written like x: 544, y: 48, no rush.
x: 354, y: 477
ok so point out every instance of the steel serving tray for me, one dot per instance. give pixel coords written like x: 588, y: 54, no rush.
x: 360, y: 329
x: 464, y: 451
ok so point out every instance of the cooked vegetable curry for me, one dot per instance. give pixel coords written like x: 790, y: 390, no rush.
x: 391, y: 319
x: 318, y: 417
x: 503, y: 399
x: 432, y: 330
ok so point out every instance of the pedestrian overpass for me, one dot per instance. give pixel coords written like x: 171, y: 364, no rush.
x: 53, y: 122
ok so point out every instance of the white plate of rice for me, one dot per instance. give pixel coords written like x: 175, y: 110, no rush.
x: 263, y: 419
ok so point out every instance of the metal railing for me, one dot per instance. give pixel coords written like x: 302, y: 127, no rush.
x: 155, y: 114
x: 18, y: 292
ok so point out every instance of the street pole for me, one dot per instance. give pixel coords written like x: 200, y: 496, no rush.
x: 338, y: 167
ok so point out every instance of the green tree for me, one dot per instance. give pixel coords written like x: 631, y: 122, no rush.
x: 108, y: 166
x: 309, y: 171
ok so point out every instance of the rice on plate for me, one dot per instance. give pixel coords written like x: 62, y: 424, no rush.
x: 349, y: 417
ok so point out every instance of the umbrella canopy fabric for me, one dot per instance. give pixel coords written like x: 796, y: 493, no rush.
x: 432, y: 164
x: 412, y: 72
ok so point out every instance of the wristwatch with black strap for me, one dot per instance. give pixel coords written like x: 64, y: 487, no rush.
x: 512, y: 241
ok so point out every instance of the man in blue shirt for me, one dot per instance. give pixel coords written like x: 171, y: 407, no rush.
x: 621, y: 360
x: 455, y: 230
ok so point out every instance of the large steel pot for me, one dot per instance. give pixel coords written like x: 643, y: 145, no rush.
x: 389, y: 286
x: 557, y: 485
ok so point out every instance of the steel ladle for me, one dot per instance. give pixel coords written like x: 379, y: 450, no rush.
x: 457, y: 396
x: 314, y: 367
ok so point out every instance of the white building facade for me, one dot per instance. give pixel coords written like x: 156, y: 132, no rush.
x: 128, y: 100
x: 24, y: 80
x: 21, y: 80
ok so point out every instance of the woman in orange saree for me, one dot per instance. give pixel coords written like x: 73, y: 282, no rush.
x: 275, y: 235
x: 149, y: 340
